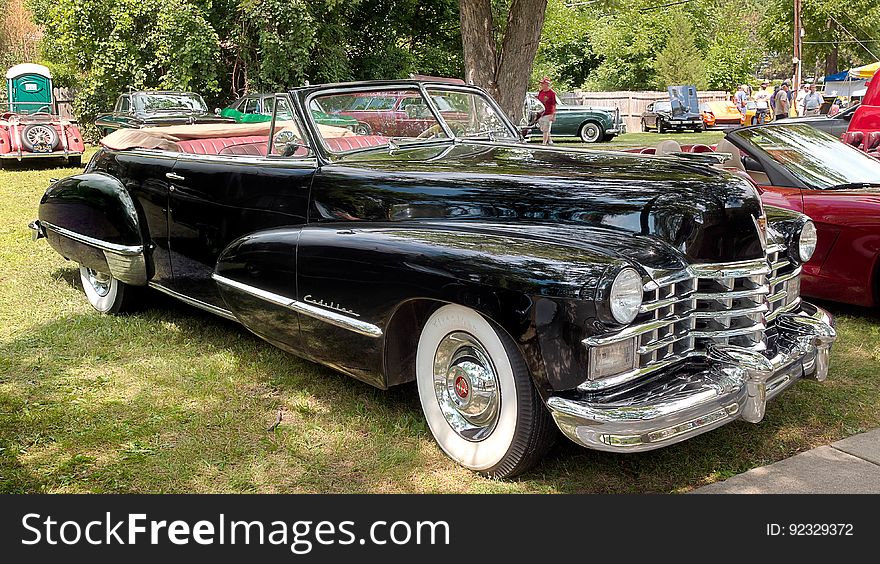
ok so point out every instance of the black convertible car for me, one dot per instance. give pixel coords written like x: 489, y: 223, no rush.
x: 634, y: 301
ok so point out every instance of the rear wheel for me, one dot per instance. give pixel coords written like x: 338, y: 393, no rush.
x: 644, y: 126
x: 105, y: 293
x: 477, y: 395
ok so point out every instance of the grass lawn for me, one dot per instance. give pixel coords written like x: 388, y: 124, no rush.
x: 174, y: 400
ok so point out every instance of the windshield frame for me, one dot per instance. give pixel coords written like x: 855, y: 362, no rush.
x: 420, y: 87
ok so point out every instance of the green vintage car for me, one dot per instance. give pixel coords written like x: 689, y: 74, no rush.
x: 256, y: 108
x: 590, y: 124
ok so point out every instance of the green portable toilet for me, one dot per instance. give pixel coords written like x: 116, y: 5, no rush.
x: 29, y: 88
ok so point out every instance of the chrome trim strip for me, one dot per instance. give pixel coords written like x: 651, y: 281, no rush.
x: 785, y: 277
x: 664, y: 342
x: 712, y: 270
x: 103, y: 245
x: 55, y: 154
x: 327, y: 316
x: 761, y: 308
x: 631, y: 331
x: 783, y: 309
x: 731, y: 295
x: 777, y: 296
x: 729, y: 332
x: 730, y: 270
x: 610, y: 381
x: 225, y: 313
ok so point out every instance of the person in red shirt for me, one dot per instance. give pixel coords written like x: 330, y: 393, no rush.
x: 547, y: 97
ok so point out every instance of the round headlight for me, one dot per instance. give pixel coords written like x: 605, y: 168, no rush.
x: 807, y: 241
x: 626, y: 295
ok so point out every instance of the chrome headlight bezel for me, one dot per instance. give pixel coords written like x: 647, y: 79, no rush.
x: 624, y: 296
x: 804, y: 243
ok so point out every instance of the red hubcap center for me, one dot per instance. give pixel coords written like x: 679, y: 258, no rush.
x: 461, y: 387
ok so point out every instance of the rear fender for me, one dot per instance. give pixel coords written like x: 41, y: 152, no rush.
x: 91, y: 219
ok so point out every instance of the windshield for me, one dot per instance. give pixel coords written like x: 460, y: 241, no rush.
x: 170, y: 102
x: 403, y: 116
x: 663, y: 106
x: 816, y: 158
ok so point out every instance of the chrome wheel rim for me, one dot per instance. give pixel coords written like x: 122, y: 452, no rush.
x: 99, y: 282
x: 590, y: 133
x: 466, y: 386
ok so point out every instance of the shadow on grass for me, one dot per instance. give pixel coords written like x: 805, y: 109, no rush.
x: 174, y: 399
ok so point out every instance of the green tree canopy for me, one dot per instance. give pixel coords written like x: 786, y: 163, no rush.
x: 680, y: 62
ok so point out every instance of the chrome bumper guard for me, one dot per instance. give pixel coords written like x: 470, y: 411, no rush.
x: 734, y: 383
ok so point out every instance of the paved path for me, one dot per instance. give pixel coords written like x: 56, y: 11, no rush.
x: 848, y: 466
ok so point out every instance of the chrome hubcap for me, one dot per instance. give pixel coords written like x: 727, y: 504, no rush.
x: 466, y: 386
x: 99, y: 281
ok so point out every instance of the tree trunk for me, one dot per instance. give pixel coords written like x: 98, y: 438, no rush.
x: 831, y: 56
x: 504, y: 71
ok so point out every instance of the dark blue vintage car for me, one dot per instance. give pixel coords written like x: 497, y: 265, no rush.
x: 629, y: 301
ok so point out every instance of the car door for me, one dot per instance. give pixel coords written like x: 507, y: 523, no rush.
x: 216, y: 198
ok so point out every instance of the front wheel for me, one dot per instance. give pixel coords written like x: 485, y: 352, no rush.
x: 660, y: 127
x: 477, y: 395
x: 105, y: 293
x: 590, y: 132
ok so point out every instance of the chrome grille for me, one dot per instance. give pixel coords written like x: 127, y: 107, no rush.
x: 711, y: 303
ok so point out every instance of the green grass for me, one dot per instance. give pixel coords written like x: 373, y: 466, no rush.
x: 174, y: 400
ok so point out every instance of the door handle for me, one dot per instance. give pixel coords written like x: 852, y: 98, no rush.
x: 173, y: 176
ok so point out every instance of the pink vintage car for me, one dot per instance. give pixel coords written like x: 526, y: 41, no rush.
x: 30, y: 126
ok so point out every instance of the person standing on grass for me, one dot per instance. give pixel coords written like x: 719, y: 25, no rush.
x: 548, y: 98
x: 799, y: 99
x: 762, y: 103
x: 812, y: 102
x: 781, y: 103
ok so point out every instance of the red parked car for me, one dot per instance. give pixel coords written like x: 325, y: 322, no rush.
x: 864, y: 126
x: 798, y: 167
x: 29, y: 125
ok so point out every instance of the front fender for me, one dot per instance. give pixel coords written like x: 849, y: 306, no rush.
x: 542, y: 292
x: 91, y: 218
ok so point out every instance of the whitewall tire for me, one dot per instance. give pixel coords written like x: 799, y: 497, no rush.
x: 477, y: 394
x: 105, y: 293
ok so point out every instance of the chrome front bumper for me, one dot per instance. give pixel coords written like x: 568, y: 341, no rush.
x: 733, y: 383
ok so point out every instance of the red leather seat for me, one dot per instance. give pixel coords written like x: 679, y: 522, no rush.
x: 853, y: 138
x: 247, y: 145
x: 648, y: 151
x: 872, y: 143
x: 339, y: 144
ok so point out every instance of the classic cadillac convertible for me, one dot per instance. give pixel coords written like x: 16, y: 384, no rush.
x: 634, y: 301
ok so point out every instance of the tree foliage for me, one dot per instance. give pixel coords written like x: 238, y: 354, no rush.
x: 680, y: 62
x: 222, y: 48
x: 837, y: 35
x: 735, y: 50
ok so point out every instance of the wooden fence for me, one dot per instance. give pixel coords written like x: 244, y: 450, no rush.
x: 630, y: 104
x: 64, y: 102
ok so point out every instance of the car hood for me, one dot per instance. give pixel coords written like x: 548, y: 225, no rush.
x: 809, y: 119
x: 705, y: 213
